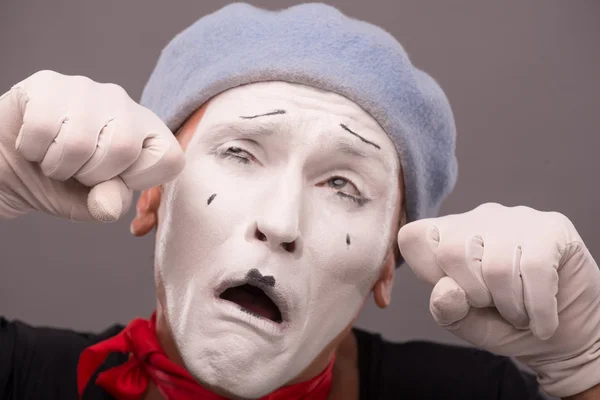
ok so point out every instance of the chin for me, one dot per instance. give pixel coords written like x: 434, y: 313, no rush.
x: 236, y: 369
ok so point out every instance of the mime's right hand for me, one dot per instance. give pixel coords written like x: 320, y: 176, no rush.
x: 75, y: 148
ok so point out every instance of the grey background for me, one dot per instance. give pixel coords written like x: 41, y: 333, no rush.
x: 522, y: 77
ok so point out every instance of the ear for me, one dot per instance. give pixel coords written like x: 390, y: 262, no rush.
x: 147, y: 212
x: 382, y: 290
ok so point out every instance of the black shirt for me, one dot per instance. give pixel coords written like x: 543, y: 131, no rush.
x: 41, y: 363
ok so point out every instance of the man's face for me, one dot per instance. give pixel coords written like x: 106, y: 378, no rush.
x: 273, y: 235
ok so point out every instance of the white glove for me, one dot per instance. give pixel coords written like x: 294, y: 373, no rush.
x: 517, y: 282
x: 55, y: 127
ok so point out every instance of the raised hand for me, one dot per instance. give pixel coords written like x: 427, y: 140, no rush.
x: 517, y: 282
x: 76, y: 148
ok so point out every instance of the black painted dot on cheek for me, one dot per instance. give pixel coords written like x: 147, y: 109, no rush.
x: 211, y: 198
x: 348, y: 239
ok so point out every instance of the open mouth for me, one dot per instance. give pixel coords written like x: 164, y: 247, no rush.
x: 253, y: 300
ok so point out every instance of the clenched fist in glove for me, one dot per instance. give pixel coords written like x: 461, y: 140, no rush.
x: 517, y: 282
x: 76, y: 148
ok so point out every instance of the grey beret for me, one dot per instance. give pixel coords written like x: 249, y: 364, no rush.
x: 316, y: 45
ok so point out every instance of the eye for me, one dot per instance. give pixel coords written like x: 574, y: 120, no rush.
x: 238, y: 154
x: 340, y: 183
x: 347, y: 190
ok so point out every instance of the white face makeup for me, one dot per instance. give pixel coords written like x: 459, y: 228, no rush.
x: 275, y: 232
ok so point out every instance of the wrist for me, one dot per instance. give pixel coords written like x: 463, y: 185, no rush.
x: 574, y: 377
x: 592, y: 393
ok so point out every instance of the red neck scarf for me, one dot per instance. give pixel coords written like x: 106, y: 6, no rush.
x: 148, y: 361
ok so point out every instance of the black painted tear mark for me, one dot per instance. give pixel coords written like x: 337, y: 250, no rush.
x: 254, y: 275
x: 211, y: 198
x: 360, y: 137
x: 348, y: 239
x: 276, y: 112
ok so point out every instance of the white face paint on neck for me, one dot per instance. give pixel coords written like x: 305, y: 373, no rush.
x: 291, y: 190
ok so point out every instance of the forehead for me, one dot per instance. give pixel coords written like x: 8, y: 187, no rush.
x: 302, y: 111
x: 256, y: 96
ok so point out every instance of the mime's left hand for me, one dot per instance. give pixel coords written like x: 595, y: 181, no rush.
x: 517, y: 282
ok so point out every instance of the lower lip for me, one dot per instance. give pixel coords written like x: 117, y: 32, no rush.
x: 263, y: 324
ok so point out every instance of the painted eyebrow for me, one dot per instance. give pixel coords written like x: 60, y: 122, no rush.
x: 274, y: 112
x: 360, y: 137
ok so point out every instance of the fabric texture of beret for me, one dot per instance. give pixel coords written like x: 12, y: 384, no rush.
x: 316, y: 45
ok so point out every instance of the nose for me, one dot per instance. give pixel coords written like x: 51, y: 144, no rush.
x: 276, y: 237
x: 278, y: 225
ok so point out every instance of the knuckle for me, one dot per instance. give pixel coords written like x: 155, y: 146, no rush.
x: 524, y: 211
x: 411, y: 232
x: 82, y: 86
x: 490, y: 206
x: 83, y: 80
x: 172, y: 162
x: 45, y: 74
x: 557, y: 218
x: 152, y: 122
x: 115, y: 91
